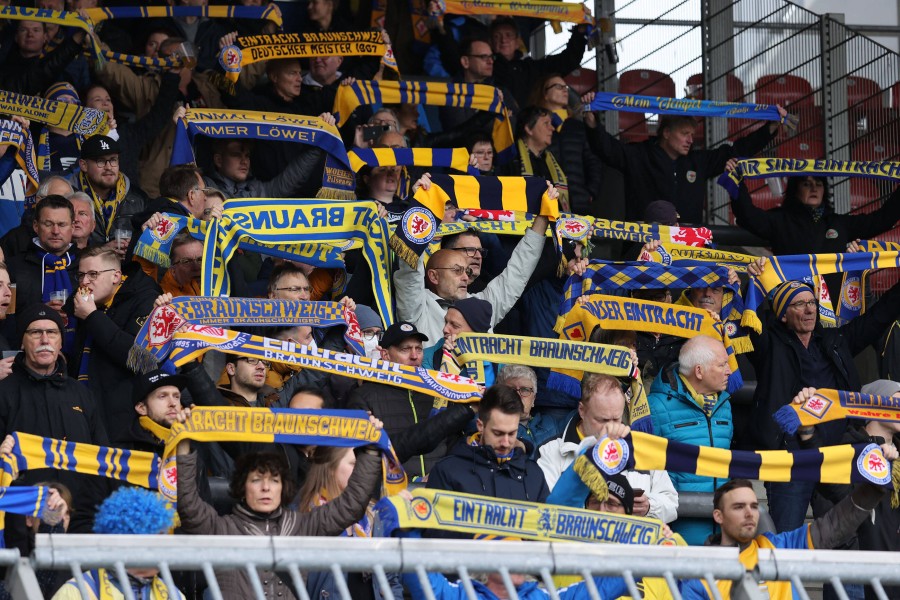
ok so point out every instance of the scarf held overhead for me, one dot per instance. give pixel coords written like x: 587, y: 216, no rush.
x: 832, y: 405
x: 648, y: 232
x: 12, y: 136
x: 337, y: 180
x: 192, y: 341
x: 453, y: 158
x: 460, y: 95
x: 341, y: 428
x: 760, y: 168
x: 71, y: 117
x: 154, y: 341
x: 484, y: 516
x: 567, y: 12
x: 420, y: 222
x: 54, y: 17
x: 255, y: 48
x: 269, y: 13
x: 661, y: 105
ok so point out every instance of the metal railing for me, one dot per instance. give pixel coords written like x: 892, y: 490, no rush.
x: 293, y: 556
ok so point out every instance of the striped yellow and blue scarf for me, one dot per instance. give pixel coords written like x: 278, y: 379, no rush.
x: 12, y: 136
x: 269, y: 13
x: 804, y: 267
x: 272, y: 223
x: 337, y: 180
x: 105, y: 209
x: 81, y: 120
x: 419, y: 224
x: 453, y: 158
x: 659, y: 105
x: 474, y: 440
x: 153, y: 342
x: 156, y: 245
x: 30, y: 501
x: 631, y: 314
x: 192, y: 341
x: 832, y: 405
x: 760, y: 168
x: 852, y: 301
x: 566, y: 12
x: 856, y: 463
x: 557, y: 176
x: 460, y: 95
x: 254, y: 48
x: 342, y: 428
x: 54, y: 274
x: 676, y: 254
x: 485, y: 516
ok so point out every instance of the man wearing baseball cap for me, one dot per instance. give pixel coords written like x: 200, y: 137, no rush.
x: 100, y: 178
x: 400, y: 409
x: 38, y: 397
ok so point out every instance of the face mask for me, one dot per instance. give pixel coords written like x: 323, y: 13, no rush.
x: 371, y: 347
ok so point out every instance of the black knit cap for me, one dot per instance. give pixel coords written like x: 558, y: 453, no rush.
x: 37, y: 312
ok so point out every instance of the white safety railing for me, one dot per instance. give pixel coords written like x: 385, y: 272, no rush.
x: 293, y: 556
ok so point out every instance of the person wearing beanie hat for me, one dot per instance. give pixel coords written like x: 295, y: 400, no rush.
x: 620, y: 500
x: 662, y: 212
x: 794, y: 352
x: 371, y: 327
x: 58, y: 148
x: 135, y: 511
x: 39, y: 398
x: 468, y: 315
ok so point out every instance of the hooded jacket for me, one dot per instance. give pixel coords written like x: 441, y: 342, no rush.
x: 476, y: 470
x: 110, y: 335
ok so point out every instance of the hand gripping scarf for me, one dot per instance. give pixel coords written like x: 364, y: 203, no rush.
x: 280, y: 221
x: 56, y: 17
x: 688, y: 107
x: 337, y: 180
x: 484, y: 516
x: 156, y: 245
x: 341, y: 428
x: 192, y: 341
x: 832, y: 405
x: 648, y: 232
x: 12, y: 136
x: 30, y: 501
x: 568, y: 359
x: 803, y: 267
x: 856, y: 463
x: 71, y: 117
x: 154, y: 341
x: 419, y: 223
x: 254, y: 48
x: 460, y: 95
x: 760, y: 168
x: 631, y: 314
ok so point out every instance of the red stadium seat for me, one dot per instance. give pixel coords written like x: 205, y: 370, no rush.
x: 762, y: 194
x: 863, y: 195
x: 633, y: 127
x: 866, y: 149
x: 895, y: 96
x: 646, y: 83
x: 789, y: 91
x: 582, y: 81
x: 734, y: 87
x: 863, y: 93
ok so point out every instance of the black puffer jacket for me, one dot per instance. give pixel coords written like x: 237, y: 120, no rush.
x: 475, y: 470
x: 56, y: 406
x: 110, y: 335
x: 776, y: 358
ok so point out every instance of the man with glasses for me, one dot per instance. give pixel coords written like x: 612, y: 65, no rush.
x: 534, y: 429
x: 477, y: 61
x: 111, y: 303
x: 183, y: 276
x: 49, y: 264
x: 39, y: 398
x: 469, y: 243
x: 794, y: 352
x: 100, y: 178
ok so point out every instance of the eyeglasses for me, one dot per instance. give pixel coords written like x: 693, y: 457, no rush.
x: 106, y: 162
x: 471, y: 251
x: 256, y: 361
x: 482, y: 56
x: 187, y: 261
x: 368, y: 335
x: 524, y: 391
x: 91, y: 275
x: 457, y: 269
x: 37, y: 334
x: 552, y: 86
x: 52, y: 224
x: 294, y: 289
x: 483, y: 153
x: 801, y: 304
